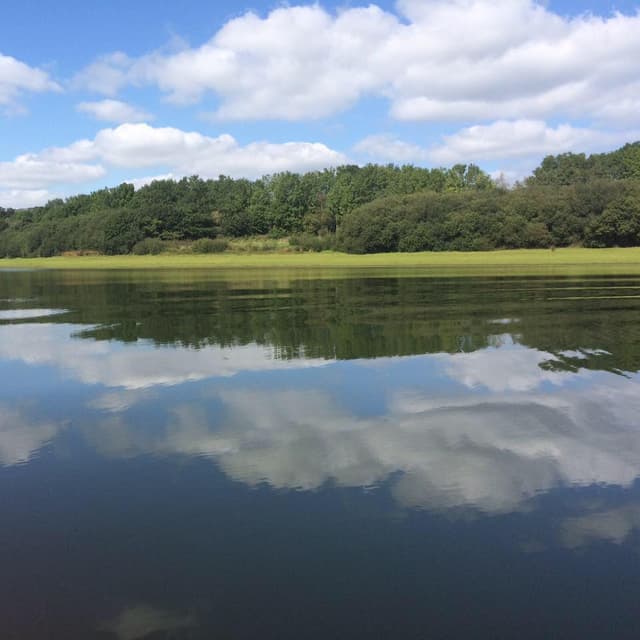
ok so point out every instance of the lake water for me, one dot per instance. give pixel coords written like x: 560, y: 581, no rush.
x: 276, y: 455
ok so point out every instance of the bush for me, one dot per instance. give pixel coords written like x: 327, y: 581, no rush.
x: 619, y: 225
x: 209, y: 245
x: 310, y: 242
x: 148, y: 246
x: 258, y: 244
x: 420, y: 238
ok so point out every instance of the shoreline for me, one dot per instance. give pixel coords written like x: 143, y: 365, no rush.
x: 606, y: 261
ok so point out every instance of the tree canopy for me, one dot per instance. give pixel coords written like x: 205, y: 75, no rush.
x: 569, y: 199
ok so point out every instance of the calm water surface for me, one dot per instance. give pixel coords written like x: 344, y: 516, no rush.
x: 188, y: 456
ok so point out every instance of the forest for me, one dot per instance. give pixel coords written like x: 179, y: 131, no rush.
x: 569, y: 200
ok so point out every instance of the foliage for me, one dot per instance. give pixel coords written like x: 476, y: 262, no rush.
x: 600, y: 214
x: 571, y: 199
x: 148, y: 246
x: 208, y: 245
x: 618, y: 225
x: 312, y: 242
x: 574, y: 168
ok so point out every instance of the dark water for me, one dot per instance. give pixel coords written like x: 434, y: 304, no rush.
x: 276, y: 456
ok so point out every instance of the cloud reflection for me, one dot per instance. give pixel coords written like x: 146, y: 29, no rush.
x: 141, y: 621
x: 21, y: 436
x: 509, y: 367
x: 135, y: 366
x: 491, y: 449
x: 489, y: 429
x: 610, y: 525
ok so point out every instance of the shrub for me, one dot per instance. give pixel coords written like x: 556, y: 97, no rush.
x: 148, y: 246
x: 421, y: 238
x: 311, y: 242
x: 209, y: 245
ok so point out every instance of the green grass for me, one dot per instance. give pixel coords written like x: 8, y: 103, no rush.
x: 524, y: 261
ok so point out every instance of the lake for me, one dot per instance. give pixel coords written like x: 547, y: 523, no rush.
x: 278, y: 454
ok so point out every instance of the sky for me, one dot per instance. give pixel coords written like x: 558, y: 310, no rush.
x: 94, y: 94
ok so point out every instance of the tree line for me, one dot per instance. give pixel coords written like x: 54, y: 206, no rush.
x: 569, y: 199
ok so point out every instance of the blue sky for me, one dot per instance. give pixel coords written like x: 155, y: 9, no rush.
x: 92, y: 94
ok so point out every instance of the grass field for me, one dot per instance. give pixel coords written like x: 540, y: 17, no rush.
x: 522, y: 261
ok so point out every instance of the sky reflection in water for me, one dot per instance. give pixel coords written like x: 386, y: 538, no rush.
x: 525, y: 429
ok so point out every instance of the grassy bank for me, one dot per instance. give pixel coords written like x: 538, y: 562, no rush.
x: 572, y: 260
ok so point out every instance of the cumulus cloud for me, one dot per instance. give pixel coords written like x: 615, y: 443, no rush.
x: 114, y: 111
x: 385, y: 147
x: 521, y: 138
x: 530, y: 81
x: 145, y: 180
x: 187, y: 153
x: 17, y: 78
x: 522, y: 141
x: 107, y: 75
x: 24, y: 198
x: 437, y: 60
x: 135, y: 146
x: 297, y: 63
x: 34, y: 171
x: 26, y: 180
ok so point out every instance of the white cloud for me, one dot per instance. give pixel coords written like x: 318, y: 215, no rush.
x: 106, y: 76
x: 134, y: 146
x: 186, y: 153
x: 145, y: 180
x: 297, y: 63
x: 457, y: 60
x: 385, y: 147
x: 24, y: 198
x: 525, y: 141
x: 17, y: 78
x: 174, y: 153
x: 521, y: 138
x: 509, y: 67
x: 32, y: 171
x: 114, y: 111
